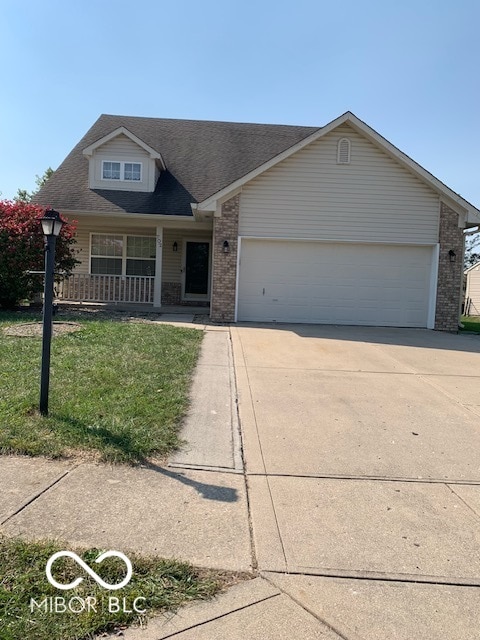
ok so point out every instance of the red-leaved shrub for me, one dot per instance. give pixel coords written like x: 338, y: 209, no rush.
x: 22, y: 250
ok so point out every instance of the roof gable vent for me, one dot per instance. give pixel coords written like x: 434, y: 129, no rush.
x: 343, y: 151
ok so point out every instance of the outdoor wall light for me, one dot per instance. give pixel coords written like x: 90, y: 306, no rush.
x: 51, y: 225
x: 175, y: 247
x: 452, y: 255
x: 226, y: 246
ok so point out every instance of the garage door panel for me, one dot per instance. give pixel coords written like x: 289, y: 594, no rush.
x: 335, y: 283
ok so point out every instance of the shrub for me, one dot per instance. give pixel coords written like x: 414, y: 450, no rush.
x: 22, y: 250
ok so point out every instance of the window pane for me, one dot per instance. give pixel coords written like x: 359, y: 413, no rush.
x: 132, y: 171
x: 140, y: 267
x: 141, y: 247
x: 111, y: 170
x: 107, y: 266
x: 103, y: 245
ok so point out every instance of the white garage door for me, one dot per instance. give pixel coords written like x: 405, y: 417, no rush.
x: 292, y: 281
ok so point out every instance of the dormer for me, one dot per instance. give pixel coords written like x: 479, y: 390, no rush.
x: 122, y: 161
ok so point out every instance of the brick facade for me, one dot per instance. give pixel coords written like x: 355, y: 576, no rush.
x: 450, y: 274
x: 171, y: 293
x: 222, y: 306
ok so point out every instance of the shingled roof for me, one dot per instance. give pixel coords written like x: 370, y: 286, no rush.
x: 201, y: 157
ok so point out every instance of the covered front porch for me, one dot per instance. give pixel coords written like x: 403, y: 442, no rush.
x: 126, y: 263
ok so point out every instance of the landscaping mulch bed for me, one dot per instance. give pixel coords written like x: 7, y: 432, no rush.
x: 35, y: 329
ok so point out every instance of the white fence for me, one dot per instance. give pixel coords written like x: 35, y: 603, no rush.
x: 82, y: 287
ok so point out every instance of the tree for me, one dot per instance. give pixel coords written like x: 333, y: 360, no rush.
x: 472, y: 249
x: 22, y: 250
x: 25, y: 196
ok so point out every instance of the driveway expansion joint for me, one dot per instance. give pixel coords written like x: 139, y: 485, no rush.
x: 475, y: 512
x: 376, y: 576
x: 313, y: 476
x: 320, y: 619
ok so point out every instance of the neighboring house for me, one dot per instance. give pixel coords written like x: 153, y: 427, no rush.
x: 262, y: 222
x: 472, y: 290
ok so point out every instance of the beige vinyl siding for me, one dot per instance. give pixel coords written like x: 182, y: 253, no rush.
x: 82, y: 250
x: 86, y: 226
x: 309, y: 195
x: 122, y: 149
x: 172, y: 261
x: 473, y: 290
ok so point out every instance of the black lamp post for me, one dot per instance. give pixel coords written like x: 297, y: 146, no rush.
x: 51, y: 225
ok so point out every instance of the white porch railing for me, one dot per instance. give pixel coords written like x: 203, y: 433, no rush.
x: 82, y: 287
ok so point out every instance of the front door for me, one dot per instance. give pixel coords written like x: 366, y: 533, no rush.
x: 197, y: 256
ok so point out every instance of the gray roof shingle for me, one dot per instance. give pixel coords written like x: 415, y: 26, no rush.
x: 201, y: 157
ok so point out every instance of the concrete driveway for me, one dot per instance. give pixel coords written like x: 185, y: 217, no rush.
x: 362, y: 450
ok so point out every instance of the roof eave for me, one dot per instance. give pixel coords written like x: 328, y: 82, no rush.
x: 124, y: 214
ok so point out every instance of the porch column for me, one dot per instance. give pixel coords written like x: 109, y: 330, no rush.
x: 224, y: 281
x: 157, y: 290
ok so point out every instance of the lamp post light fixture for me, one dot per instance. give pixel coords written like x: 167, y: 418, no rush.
x: 51, y: 225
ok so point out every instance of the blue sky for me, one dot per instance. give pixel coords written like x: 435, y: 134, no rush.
x: 410, y: 69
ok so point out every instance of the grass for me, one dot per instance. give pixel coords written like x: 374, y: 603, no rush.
x: 165, y: 585
x: 119, y: 389
x: 471, y: 323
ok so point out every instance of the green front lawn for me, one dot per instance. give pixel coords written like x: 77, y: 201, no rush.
x: 471, y: 323
x: 118, y: 389
x: 164, y: 584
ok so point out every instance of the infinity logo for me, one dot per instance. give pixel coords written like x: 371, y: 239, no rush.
x: 95, y: 576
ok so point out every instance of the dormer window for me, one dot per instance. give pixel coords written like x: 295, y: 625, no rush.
x: 128, y: 171
x: 123, y: 162
x: 132, y: 171
x: 343, y: 151
x: 111, y: 171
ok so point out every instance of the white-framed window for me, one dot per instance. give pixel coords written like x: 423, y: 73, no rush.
x: 132, y: 171
x: 111, y: 170
x: 122, y: 255
x: 129, y: 171
x: 343, y: 151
